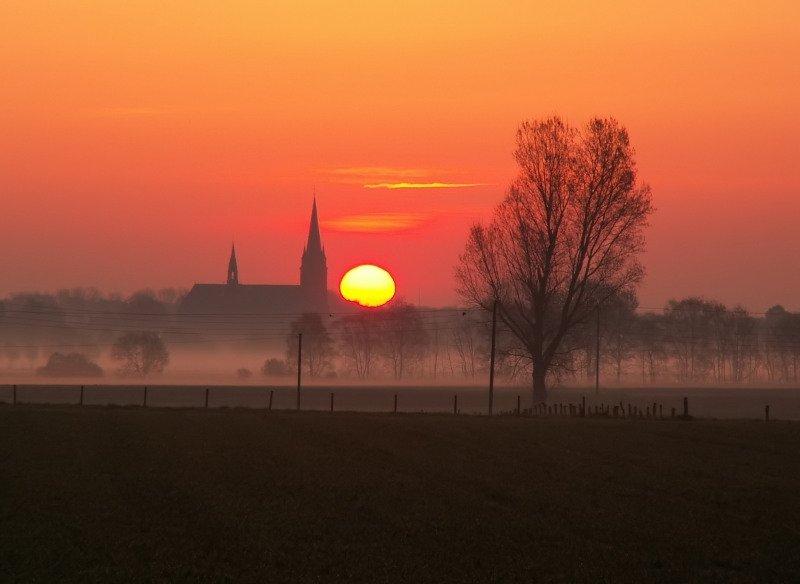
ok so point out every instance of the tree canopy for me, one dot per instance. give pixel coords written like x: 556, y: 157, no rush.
x: 141, y: 353
x: 563, y: 240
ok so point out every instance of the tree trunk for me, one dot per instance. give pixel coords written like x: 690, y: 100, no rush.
x: 539, y: 387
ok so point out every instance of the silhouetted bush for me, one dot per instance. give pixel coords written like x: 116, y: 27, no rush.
x: 141, y: 353
x: 275, y: 368
x: 244, y: 373
x: 71, y: 365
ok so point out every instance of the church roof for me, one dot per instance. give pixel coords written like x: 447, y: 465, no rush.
x: 243, y: 299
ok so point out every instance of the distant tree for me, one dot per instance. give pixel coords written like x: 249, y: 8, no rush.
x: 618, y: 323
x: 141, y: 353
x: 562, y: 241
x: 743, y: 350
x: 650, y: 334
x: 780, y: 339
x: 243, y: 373
x: 70, y: 365
x: 359, y: 341
x: 318, y: 348
x: 618, y: 341
x: 469, y: 339
x: 167, y: 295
x: 689, y: 334
x: 275, y: 368
x: 404, y: 338
x: 144, y: 302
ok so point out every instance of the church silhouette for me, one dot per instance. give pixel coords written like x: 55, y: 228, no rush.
x: 235, y: 298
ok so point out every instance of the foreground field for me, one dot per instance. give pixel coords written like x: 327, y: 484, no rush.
x: 117, y: 494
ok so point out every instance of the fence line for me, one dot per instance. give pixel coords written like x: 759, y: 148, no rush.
x: 361, y: 399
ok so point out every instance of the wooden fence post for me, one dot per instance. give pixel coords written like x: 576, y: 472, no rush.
x: 673, y: 412
x: 206, y: 405
x: 331, y: 402
x: 686, y: 407
x: 271, y: 391
x: 766, y: 413
x: 519, y: 411
x: 395, y: 403
x: 81, y: 401
x: 144, y: 397
x: 14, y: 398
x: 455, y: 404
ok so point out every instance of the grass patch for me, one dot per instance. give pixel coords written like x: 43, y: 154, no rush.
x: 114, y: 494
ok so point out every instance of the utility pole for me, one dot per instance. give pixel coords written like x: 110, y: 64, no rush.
x: 491, y: 360
x: 299, y: 366
x: 597, y: 356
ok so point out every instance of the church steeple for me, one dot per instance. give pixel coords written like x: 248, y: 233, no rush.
x: 314, y: 268
x: 314, y: 241
x: 233, y: 268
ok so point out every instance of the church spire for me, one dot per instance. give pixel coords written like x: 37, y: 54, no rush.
x: 314, y: 268
x: 233, y: 268
x: 314, y: 240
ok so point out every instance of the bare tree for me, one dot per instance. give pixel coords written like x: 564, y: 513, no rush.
x: 318, y: 350
x: 404, y: 339
x: 618, y: 337
x: 650, y: 332
x: 469, y: 341
x: 689, y: 335
x: 744, y: 354
x: 564, y: 238
x: 359, y: 342
x: 781, y: 344
x: 141, y: 353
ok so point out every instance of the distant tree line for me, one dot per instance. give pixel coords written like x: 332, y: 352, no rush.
x: 690, y: 341
x: 49, y: 327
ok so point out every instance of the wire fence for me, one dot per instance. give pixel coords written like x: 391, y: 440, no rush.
x: 654, y: 404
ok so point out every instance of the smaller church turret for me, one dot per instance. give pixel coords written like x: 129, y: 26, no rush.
x: 233, y: 268
x: 314, y: 269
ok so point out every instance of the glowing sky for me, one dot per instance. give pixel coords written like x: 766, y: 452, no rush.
x: 139, y: 139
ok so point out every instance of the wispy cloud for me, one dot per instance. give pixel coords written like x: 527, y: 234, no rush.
x: 376, y: 222
x: 387, y: 177
x: 426, y: 185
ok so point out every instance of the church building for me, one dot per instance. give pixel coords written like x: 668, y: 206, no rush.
x: 263, y: 299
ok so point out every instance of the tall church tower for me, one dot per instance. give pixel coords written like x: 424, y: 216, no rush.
x: 233, y: 269
x: 314, y: 269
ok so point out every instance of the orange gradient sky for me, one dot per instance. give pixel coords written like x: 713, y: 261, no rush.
x: 139, y: 139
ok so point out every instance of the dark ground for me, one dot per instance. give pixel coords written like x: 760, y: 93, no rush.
x: 125, y: 494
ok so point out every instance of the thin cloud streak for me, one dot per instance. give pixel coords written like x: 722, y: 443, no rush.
x: 429, y: 185
x: 376, y: 222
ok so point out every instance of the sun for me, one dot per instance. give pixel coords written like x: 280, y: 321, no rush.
x: 367, y: 285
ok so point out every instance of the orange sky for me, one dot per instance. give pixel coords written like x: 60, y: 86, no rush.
x: 139, y: 139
